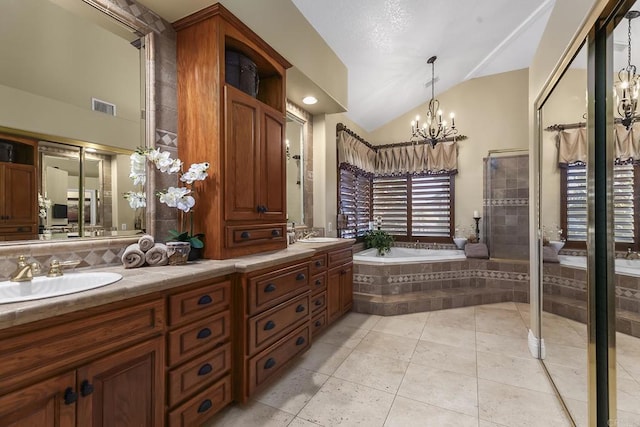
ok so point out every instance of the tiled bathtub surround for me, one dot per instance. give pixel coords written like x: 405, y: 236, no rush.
x: 418, y: 287
x: 565, y: 294
x: 506, y: 206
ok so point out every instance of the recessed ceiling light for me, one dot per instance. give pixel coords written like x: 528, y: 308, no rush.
x: 309, y: 100
x: 90, y: 150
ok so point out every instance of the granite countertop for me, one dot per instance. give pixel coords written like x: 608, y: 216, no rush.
x: 140, y: 281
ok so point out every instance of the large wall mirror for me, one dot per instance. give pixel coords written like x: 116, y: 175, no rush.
x: 72, y: 84
x: 299, y: 164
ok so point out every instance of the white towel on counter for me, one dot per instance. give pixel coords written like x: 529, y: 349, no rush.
x: 157, y: 255
x: 133, y: 257
x: 146, y: 242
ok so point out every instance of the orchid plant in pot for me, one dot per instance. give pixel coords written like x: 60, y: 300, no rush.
x: 179, y: 197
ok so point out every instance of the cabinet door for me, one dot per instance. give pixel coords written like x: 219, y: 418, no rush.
x: 19, y: 194
x: 273, y: 191
x: 123, y: 389
x: 334, y: 309
x: 346, y: 288
x: 242, y: 157
x: 50, y: 403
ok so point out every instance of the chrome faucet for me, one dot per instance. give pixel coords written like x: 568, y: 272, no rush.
x: 24, y: 272
x: 307, y: 234
x: 631, y: 255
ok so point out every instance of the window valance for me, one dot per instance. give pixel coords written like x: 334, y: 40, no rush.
x: 572, y: 145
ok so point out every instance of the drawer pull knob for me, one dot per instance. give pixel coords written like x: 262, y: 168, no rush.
x: 205, y: 406
x: 318, y: 323
x: 205, y: 369
x: 275, y: 233
x: 270, y: 287
x: 70, y: 396
x: 318, y: 263
x: 318, y: 302
x: 300, y: 277
x: 205, y: 299
x: 244, y: 235
x: 318, y: 282
x: 270, y: 363
x: 86, y: 388
x: 269, y: 325
x: 204, y: 333
x: 300, y: 341
x: 300, y: 308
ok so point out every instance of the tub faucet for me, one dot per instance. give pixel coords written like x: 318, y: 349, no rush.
x: 24, y: 271
x: 631, y: 255
x: 416, y: 244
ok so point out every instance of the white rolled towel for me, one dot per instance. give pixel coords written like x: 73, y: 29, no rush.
x: 133, y: 257
x: 146, y: 242
x: 157, y: 255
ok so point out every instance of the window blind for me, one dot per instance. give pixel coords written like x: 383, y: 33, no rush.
x: 355, y: 202
x: 431, y: 205
x: 390, y: 203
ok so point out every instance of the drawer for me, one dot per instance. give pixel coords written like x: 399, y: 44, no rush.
x: 318, y: 302
x: 196, y: 337
x: 318, y: 283
x: 188, y: 378
x: 248, y: 235
x: 340, y: 257
x: 275, y: 323
x: 203, y: 406
x: 318, y: 322
x: 266, y: 364
x: 318, y: 264
x: 268, y: 290
x: 208, y: 299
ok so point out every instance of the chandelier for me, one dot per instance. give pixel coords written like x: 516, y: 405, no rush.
x: 433, y: 128
x: 628, y: 84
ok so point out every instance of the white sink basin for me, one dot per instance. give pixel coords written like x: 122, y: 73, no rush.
x: 319, y: 240
x: 47, y: 287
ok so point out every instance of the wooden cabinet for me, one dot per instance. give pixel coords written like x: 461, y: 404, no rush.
x: 199, y: 362
x: 272, y: 314
x: 104, y: 369
x: 18, y: 187
x: 243, y: 207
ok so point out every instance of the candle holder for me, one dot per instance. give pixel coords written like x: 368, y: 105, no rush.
x: 477, y: 220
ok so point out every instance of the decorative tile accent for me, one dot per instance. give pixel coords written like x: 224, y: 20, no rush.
x: 506, y: 202
x: 166, y: 138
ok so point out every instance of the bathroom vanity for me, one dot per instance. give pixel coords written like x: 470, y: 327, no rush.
x: 167, y: 345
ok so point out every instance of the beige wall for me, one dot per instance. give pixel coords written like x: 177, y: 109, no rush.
x: 54, y: 63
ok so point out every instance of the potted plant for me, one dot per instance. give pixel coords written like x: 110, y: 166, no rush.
x: 379, y: 239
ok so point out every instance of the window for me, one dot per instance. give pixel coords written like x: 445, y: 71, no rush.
x: 574, y: 204
x: 415, y: 206
x: 354, y: 201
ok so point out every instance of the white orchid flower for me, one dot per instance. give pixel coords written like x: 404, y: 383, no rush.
x: 178, y: 197
x: 136, y: 199
x: 196, y: 172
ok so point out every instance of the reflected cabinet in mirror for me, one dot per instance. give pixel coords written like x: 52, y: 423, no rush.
x: 71, y: 101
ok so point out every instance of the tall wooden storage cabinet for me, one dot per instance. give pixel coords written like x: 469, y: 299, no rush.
x: 242, y: 205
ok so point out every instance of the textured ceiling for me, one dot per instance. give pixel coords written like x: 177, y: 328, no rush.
x: 385, y: 45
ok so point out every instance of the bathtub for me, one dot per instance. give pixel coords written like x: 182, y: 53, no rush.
x: 408, y: 256
x: 626, y: 267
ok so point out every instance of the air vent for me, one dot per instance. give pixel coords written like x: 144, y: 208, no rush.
x: 103, y: 106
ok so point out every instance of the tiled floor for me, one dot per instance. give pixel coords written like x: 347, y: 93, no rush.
x: 460, y: 367
x: 566, y: 360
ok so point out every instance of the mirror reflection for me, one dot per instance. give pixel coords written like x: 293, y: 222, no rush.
x: 71, y: 101
x: 295, y: 186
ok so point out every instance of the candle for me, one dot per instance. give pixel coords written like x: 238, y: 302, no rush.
x: 476, y: 214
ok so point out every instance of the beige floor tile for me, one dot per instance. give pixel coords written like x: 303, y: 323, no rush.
x: 518, y: 372
x: 556, y: 330
x: 296, y: 387
x: 579, y: 413
x: 500, y: 305
x: 500, y: 322
x: 627, y: 345
x: 387, y: 345
x: 449, y: 390
x: 523, y: 307
x: 514, y: 406
x: 323, y: 358
x: 500, y: 344
x: 253, y: 414
x: 571, y: 383
x: 462, y: 318
x: 371, y: 370
x: 630, y: 364
x: 342, y: 336
x: 580, y: 328
x: 410, y: 413
x: 299, y: 422
x: 565, y: 355
x: 445, y: 357
x: 342, y: 403
x: 456, y: 337
x: 628, y: 393
x: 484, y: 423
x: 359, y: 320
x: 408, y: 325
